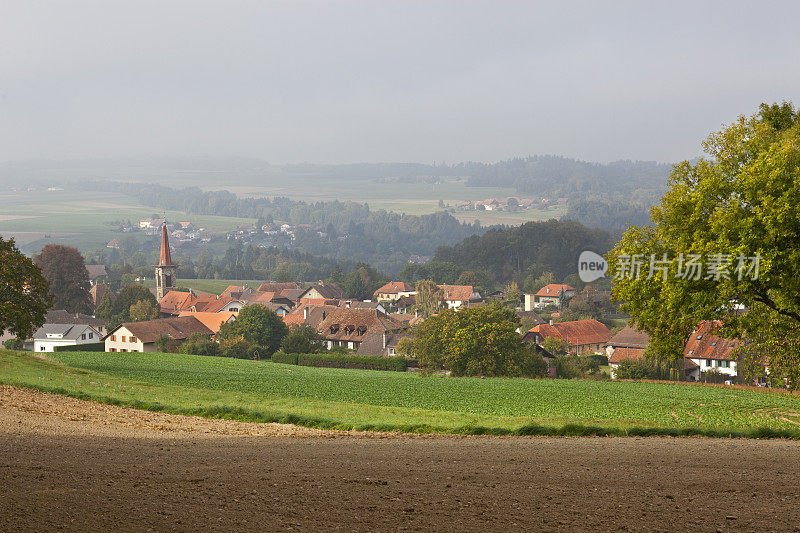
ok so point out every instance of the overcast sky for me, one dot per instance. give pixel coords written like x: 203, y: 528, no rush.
x: 386, y: 81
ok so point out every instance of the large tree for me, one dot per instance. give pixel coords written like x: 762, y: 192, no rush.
x: 65, y: 270
x: 478, y: 341
x: 24, y: 292
x: 257, y: 325
x: 729, y: 227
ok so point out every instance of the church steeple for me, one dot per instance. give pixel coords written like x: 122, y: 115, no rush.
x: 165, y: 270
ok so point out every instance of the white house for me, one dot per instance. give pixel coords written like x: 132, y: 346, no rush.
x: 49, y: 336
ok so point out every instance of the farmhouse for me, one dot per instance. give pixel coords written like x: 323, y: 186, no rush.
x: 348, y: 328
x: 584, y: 337
x: 456, y: 296
x: 47, y: 337
x: 142, y: 336
x: 709, y: 351
x: 321, y: 293
x: 629, y: 344
x: 393, y: 291
x: 553, y: 294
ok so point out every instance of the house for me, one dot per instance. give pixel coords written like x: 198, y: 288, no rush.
x: 186, y: 226
x: 456, y: 296
x: 310, y: 314
x: 279, y: 309
x: 393, y: 291
x: 584, y: 337
x: 47, y: 337
x: 240, y: 292
x: 405, y: 303
x: 60, y: 316
x: 113, y: 243
x: 320, y: 293
x: 711, y: 352
x: 174, y: 302
x: 349, y: 328
x: 142, y: 336
x: 277, y: 288
x: 357, y: 304
x: 98, y: 291
x: 553, y: 294
x: 381, y: 344
x: 96, y: 272
x: 628, y: 344
x: 212, y: 321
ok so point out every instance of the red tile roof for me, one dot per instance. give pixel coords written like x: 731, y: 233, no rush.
x: 624, y: 353
x: 394, y: 287
x: 212, y: 321
x: 276, y: 287
x: 578, y: 332
x: 174, y: 328
x: 176, y: 301
x: 554, y: 290
x: 164, y: 258
x: 703, y: 344
x: 460, y: 293
x: 354, y: 324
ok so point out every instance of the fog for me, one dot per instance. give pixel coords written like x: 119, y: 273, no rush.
x: 385, y: 81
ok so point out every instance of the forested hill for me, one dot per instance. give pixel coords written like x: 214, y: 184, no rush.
x: 351, y: 230
x: 547, y: 175
x: 526, y: 251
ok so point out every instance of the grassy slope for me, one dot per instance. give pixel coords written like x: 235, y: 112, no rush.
x: 263, y: 391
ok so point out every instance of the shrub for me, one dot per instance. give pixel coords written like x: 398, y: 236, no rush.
x: 90, y: 347
x: 199, y: 344
x: 237, y: 347
x: 285, y: 358
x: 13, y: 344
x: 302, y: 339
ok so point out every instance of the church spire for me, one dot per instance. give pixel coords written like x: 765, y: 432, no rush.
x: 165, y: 259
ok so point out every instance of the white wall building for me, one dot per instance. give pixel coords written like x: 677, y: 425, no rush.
x: 49, y: 336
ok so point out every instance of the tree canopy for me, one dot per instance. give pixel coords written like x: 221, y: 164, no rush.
x: 24, y: 292
x: 478, y: 341
x: 65, y: 270
x: 729, y: 227
x: 257, y: 325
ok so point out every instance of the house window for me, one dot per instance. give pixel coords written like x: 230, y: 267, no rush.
x: 699, y: 337
x: 91, y: 335
x: 132, y: 339
x: 42, y: 349
x: 122, y: 338
x: 112, y: 349
x: 123, y: 350
x: 714, y: 343
x: 708, y: 362
x: 83, y: 336
x: 113, y: 338
x: 234, y: 309
x: 691, y: 352
x: 391, y: 351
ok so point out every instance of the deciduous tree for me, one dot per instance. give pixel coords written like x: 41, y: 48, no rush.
x: 257, y: 325
x: 65, y: 270
x: 24, y: 292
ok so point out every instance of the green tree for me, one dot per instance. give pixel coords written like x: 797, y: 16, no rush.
x: 144, y: 310
x: 24, y: 292
x: 130, y: 295
x: 257, y: 325
x: 513, y: 294
x: 302, y: 339
x: 479, y: 341
x: 65, y: 270
x: 741, y: 202
x: 555, y: 346
x: 105, y: 309
x: 429, y: 299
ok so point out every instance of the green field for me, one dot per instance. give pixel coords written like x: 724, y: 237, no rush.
x: 362, y: 399
x: 214, y: 286
x: 81, y: 219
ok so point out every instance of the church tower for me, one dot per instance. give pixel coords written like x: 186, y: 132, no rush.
x: 165, y: 270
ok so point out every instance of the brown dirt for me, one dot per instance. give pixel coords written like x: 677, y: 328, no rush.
x: 80, y: 466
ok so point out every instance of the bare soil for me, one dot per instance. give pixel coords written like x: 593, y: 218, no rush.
x: 80, y: 466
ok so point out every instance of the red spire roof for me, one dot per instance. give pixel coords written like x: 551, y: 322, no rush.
x: 165, y: 259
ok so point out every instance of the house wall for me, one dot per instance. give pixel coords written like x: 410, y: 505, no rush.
x: 115, y: 342
x: 48, y: 345
x: 716, y: 364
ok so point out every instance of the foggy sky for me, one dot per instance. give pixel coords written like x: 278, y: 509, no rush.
x: 386, y: 81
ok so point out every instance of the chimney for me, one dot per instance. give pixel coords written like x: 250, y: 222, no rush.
x: 305, y: 313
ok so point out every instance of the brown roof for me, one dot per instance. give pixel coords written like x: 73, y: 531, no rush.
x: 238, y: 291
x: 165, y: 257
x: 329, y: 291
x: 96, y: 271
x: 316, y: 314
x: 98, y: 291
x: 624, y: 353
x: 176, y: 301
x: 355, y: 324
x: 406, y: 301
x: 216, y: 305
x: 702, y: 344
x: 175, y: 328
x: 630, y: 337
x: 554, y: 290
x: 457, y: 292
x: 60, y: 316
x: 577, y: 332
x: 212, y: 321
x: 393, y: 287
x: 277, y: 287
x: 262, y: 297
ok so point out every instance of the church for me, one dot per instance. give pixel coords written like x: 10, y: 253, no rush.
x: 165, y: 270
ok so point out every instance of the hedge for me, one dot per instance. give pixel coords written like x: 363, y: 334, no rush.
x: 89, y: 347
x: 327, y: 360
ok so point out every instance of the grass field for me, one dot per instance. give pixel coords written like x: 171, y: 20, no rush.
x: 80, y: 219
x: 215, y: 286
x: 361, y: 399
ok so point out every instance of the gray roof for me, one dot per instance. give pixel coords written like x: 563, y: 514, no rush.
x: 67, y: 331
x: 59, y: 316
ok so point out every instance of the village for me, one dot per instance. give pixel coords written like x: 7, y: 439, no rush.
x: 370, y: 328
